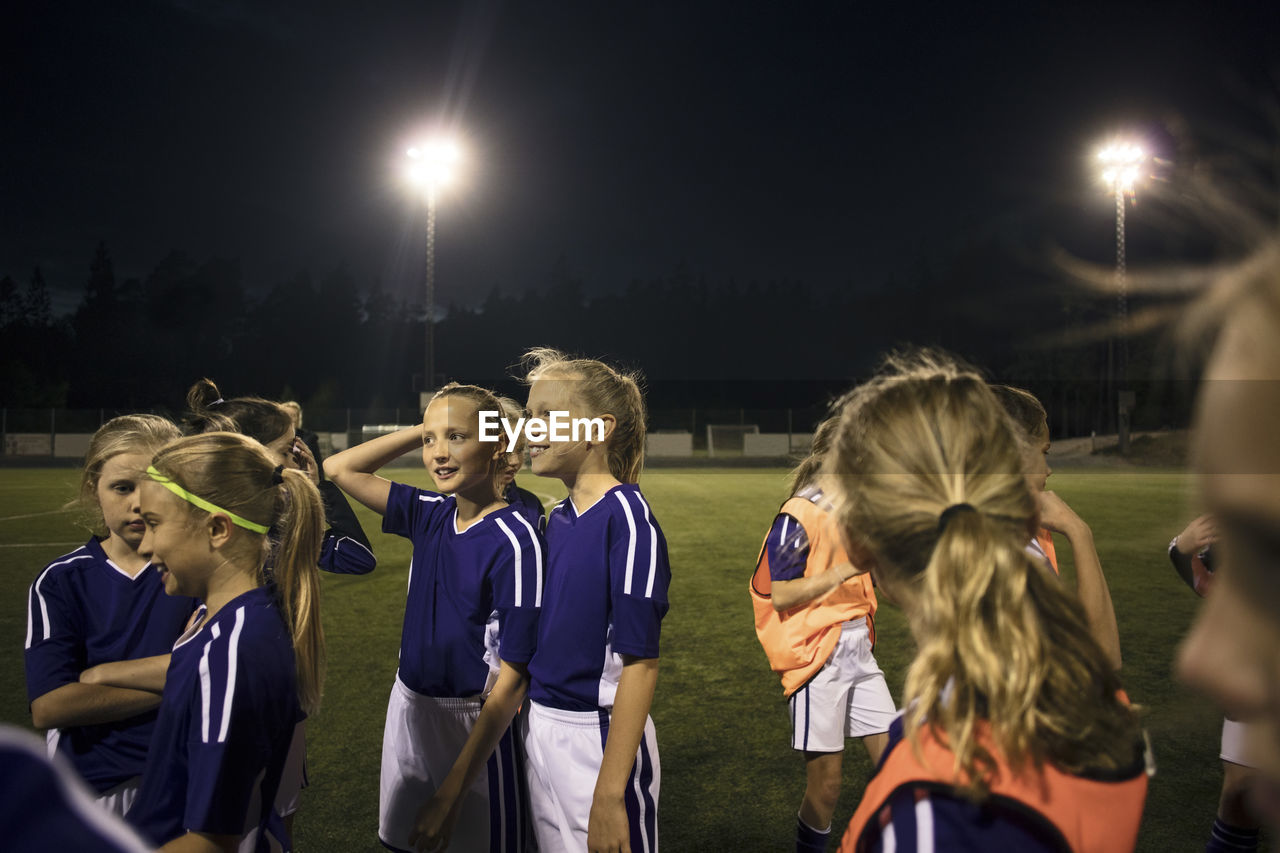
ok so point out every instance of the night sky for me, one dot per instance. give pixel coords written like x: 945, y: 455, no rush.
x: 833, y: 143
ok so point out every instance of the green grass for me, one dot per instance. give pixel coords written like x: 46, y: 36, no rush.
x: 729, y: 778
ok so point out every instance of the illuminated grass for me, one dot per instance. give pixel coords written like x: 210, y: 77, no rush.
x: 729, y: 779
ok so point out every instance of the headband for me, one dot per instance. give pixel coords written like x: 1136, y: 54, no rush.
x: 949, y: 512
x: 205, y: 505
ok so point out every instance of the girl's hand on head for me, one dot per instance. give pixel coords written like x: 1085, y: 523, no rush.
x: 1198, y: 535
x: 305, y: 461
x: 608, y: 830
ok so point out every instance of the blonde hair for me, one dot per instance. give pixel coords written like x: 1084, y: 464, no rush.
x: 123, y: 434
x: 255, y: 417
x: 811, y: 466
x: 999, y: 640
x: 512, y: 411
x: 1025, y: 408
x: 235, y: 473
x: 602, y: 390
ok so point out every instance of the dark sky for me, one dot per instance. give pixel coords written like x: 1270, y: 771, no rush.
x: 828, y: 142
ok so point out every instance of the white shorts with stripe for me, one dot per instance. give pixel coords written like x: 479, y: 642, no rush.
x: 563, y: 751
x: 1235, y: 743
x: 848, y: 697
x: 422, y: 739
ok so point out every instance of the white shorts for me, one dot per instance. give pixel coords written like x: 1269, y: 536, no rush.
x: 119, y: 799
x: 1235, y: 743
x: 563, y: 751
x: 848, y: 697
x: 422, y: 739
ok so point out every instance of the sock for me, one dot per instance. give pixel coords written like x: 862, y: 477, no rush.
x: 1226, y: 838
x: 810, y: 840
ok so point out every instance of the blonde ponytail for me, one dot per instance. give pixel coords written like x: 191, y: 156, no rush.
x: 929, y: 473
x: 297, y: 574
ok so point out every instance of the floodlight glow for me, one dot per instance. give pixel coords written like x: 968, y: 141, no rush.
x: 1122, y: 166
x: 432, y: 163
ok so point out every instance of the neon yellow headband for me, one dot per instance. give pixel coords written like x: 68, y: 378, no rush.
x: 205, y: 505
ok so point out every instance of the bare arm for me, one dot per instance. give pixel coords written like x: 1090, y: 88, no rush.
x: 437, y: 817
x: 136, y: 674
x: 607, y: 827
x: 1091, y: 584
x: 352, y: 469
x: 785, y: 595
x: 79, y: 704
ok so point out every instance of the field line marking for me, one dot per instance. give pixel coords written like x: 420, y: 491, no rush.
x: 33, y: 515
x: 38, y: 544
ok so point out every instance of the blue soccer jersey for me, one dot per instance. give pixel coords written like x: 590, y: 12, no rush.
x: 528, y: 504
x: 45, y: 806
x: 226, y: 721
x: 83, y: 610
x: 607, y: 580
x: 474, y: 596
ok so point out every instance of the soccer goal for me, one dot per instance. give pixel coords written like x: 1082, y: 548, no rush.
x: 726, y: 439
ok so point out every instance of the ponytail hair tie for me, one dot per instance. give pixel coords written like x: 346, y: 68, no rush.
x: 215, y: 403
x: 950, y: 512
x: 277, y: 476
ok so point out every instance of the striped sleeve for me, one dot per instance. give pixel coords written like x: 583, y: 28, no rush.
x: 788, y: 547
x: 639, y: 575
x: 409, y: 509
x: 55, y: 650
x: 516, y: 578
x: 227, y: 749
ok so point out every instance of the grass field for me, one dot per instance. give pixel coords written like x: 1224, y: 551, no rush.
x: 729, y: 780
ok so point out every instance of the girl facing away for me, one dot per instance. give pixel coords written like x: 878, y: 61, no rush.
x: 450, y: 778
x: 99, y: 604
x: 345, y: 549
x: 591, y: 749
x: 814, y: 612
x: 252, y: 664
x: 1016, y: 734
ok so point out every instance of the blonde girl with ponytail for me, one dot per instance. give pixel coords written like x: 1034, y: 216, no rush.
x: 252, y: 664
x: 1016, y: 734
x: 591, y: 749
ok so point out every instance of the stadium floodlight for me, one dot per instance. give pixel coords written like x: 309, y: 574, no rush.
x: 431, y: 166
x: 1122, y: 163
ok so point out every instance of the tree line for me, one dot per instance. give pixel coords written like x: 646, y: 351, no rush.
x: 701, y: 341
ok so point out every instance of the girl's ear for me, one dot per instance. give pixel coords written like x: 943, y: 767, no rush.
x: 219, y: 527
x: 610, y: 424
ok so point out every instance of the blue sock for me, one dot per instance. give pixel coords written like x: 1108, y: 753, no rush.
x: 1226, y: 838
x: 810, y: 840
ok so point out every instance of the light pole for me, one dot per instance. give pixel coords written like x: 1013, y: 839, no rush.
x: 1121, y: 164
x: 430, y: 168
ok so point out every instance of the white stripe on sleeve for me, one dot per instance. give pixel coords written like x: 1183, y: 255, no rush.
x: 233, y: 654
x: 204, y: 686
x: 515, y: 546
x: 924, y: 825
x: 44, y: 605
x: 631, y: 544
x: 537, y: 557
x: 653, y: 548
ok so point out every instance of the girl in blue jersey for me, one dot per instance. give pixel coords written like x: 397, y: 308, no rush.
x: 252, y: 665
x: 591, y: 749
x: 450, y: 778
x: 103, y: 603
x: 1016, y: 735
x: 529, y: 504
